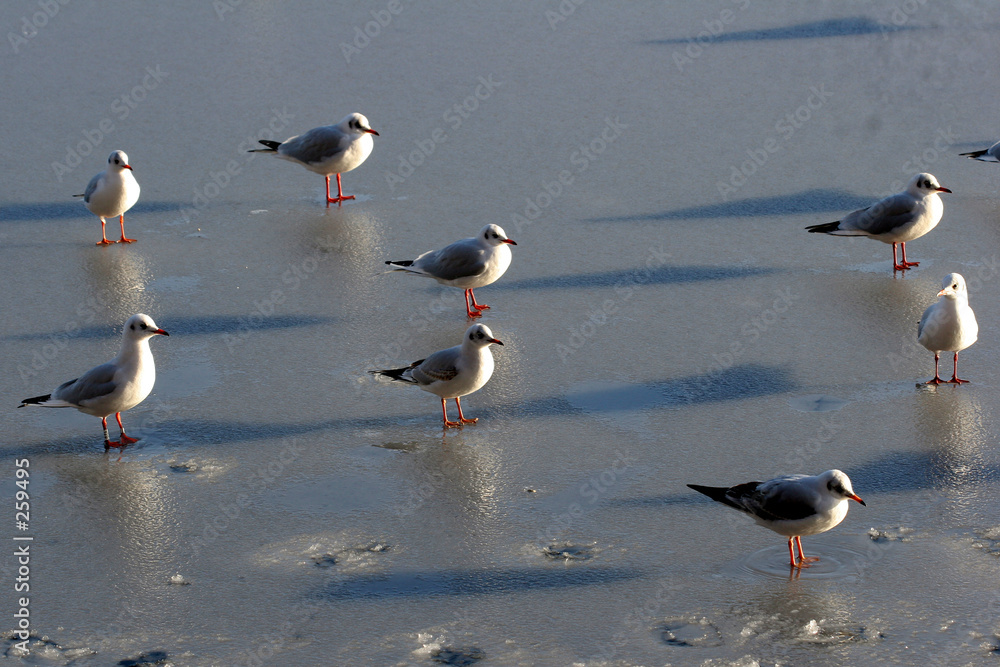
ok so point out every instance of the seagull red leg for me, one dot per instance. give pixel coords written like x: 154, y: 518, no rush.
x: 803, y: 560
x: 121, y: 221
x: 791, y: 553
x: 937, y: 376
x: 954, y: 376
x: 896, y: 266
x: 468, y: 306
x: 107, y: 437
x: 477, y: 306
x: 340, y: 192
x: 444, y: 411
x: 125, y: 440
x: 906, y: 264
x: 461, y: 417
x: 104, y: 239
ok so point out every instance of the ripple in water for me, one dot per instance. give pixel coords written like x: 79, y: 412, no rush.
x: 689, y: 631
x: 836, y: 561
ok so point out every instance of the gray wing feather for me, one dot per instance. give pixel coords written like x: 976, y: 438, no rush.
x: 316, y: 145
x: 94, y: 383
x: 778, y: 500
x: 442, y: 365
x: 91, y: 187
x: 462, y: 259
x: 883, y: 217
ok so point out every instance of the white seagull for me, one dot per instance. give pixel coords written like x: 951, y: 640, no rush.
x: 454, y: 372
x: 331, y: 149
x: 948, y: 324
x: 111, y: 193
x: 793, y: 505
x: 896, y: 219
x: 991, y: 154
x: 473, y: 262
x: 114, y: 387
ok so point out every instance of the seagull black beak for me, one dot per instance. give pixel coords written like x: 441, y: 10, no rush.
x: 944, y: 190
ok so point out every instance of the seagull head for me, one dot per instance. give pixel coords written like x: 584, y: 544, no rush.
x: 953, y: 286
x: 118, y: 161
x: 494, y: 235
x: 839, y: 485
x: 924, y: 184
x: 479, y: 335
x: 356, y: 123
x: 141, y: 326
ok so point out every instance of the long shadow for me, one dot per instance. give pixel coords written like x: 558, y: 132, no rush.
x: 191, y: 326
x: 916, y: 471
x: 817, y: 200
x: 661, y: 275
x: 454, y: 583
x: 732, y: 384
x: 72, y: 209
x: 852, y: 26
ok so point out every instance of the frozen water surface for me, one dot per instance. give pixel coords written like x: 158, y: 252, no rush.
x: 666, y: 321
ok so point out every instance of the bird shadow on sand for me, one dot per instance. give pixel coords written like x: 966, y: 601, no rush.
x: 657, y: 275
x: 32, y: 212
x: 851, y: 26
x: 817, y: 200
x: 191, y: 326
x: 458, y: 583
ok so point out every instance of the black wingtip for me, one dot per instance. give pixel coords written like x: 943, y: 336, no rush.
x: 35, y: 400
x: 825, y: 228
x: 272, y: 146
x: 974, y: 154
x: 401, y: 262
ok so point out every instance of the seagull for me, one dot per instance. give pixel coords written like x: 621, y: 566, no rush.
x: 454, y: 372
x: 473, y: 262
x: 331, y: 149
x: 948, y: 324
x: 991, y: 154
x: 896, y: 219
x: 111, y: 193
x: 793, y: 505
x: 114, y: 387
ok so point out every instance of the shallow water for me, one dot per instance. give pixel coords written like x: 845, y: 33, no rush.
x: 666, y: 320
